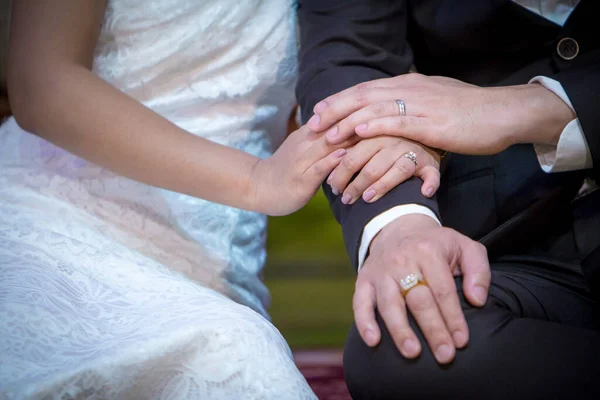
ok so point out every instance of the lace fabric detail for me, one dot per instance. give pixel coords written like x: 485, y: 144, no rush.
x: 110, y: 288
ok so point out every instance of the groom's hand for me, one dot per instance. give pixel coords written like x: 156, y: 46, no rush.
x: 444, y: 113
x: 416, y: 244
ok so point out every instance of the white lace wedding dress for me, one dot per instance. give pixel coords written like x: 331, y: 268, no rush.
x: 114, y: 289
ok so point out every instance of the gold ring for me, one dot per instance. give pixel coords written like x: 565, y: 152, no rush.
x: 411, y: 281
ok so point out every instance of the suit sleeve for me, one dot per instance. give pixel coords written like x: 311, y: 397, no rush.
x: 343, y: 43
x: 582, y: 85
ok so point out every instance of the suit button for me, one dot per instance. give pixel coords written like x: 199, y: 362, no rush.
x: 567, y: 48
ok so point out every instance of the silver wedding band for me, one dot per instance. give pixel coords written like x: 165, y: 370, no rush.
x: 401, y: 107
x: 412, y: 156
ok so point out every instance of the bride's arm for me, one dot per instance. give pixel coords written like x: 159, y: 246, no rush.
x: 55, y: 95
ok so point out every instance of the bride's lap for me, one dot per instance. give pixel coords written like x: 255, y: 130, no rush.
x: 80, y: 320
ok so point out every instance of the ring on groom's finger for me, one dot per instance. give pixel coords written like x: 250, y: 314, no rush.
x: 401, y: 107
x: 412, y: 156
x: 409, y: 282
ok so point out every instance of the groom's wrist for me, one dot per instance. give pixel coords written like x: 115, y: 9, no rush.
x: 535, y: 114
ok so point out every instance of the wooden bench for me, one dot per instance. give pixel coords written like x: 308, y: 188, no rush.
x: 5, y: 7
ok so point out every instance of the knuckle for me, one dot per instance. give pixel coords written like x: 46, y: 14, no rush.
x: 399, y: 259
x: 403, y: 168
x: 378, y: 109
x: 425, y: 246
x: 398, y: 330
x: 349, y: 161
x: 482, y: 248
x: 382, y: 187
x: 361, y: 94
x: 371, y: 172
x: 400, y: 123
x: 319, y: 169
x: 420, y: 300
x: 386, y: 300
x: 443, y: 292
x: 352, y: 190
x: 358, y: 305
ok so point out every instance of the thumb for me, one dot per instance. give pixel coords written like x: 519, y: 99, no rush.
x: 475, y: 267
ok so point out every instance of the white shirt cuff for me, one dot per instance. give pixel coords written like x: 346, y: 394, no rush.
x: 382, y: 220
x: 572, y: 152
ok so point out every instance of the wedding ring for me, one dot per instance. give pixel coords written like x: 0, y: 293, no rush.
x: 412, y: 156
x: 410, y: 281
x: 401, y: 107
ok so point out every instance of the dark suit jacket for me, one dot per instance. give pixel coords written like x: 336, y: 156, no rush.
x: 484, y: 42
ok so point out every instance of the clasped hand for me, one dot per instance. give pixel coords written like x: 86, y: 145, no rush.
x: 284, y: 182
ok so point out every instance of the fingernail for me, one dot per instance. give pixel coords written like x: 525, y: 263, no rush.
x: 332, y: 133
x: 340, y: 152
x: 428, y: 192
x: 460, y: 339
x: 368, y: 195
x: 330, y: 177
x: 480, y: 294
x: 320, y: 106
x: 313, y: 122
x: 411, y: 348
x: 334, y: 191
x: 443, y: 353
x: 346, y: 198
x: 361, y: 128
x: 371, y: 337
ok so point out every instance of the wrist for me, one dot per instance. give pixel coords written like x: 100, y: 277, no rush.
x: 403, y: 226
x: 252, y: 190
x: 535, y: 115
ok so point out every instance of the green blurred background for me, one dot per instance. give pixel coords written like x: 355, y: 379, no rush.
x: 310, y: 277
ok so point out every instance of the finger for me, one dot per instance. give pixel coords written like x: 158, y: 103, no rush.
x: 418, y: 129
x: 319, y: 148
x: 400, y: 171
x: 431, y: 179
x: 476, y: 271
x: 354, y: 161
x: 369, y: 174
x: 318, y: 171
x: 355, y: 92
x: 424, y: 309
x: 344, y: 104
x: 373, y: 171
x: 441, y: 283
x: 392, y: 309
x: 363, y: 304
x: 390, y: 108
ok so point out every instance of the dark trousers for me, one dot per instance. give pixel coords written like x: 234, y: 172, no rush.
x: 537, y: 337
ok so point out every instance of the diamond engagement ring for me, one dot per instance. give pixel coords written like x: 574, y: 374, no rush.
x: 401, y: 107
x: 412, y: 156
x: 410, y: 281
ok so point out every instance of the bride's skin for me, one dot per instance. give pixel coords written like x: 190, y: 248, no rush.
x: 55, y: 95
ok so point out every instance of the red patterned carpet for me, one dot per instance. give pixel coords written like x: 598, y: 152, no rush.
x: 324, y: 373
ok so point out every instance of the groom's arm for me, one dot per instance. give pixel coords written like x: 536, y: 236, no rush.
x: 344, y: 43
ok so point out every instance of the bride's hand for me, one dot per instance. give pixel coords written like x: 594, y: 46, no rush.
x: 384, y: 163
x: 286, y: 181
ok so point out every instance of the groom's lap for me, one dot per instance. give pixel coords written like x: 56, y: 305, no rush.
x: 534, y: 338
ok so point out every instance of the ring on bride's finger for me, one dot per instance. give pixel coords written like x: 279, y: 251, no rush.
x: 410, y: 281
x: 412, y: 156
x: 401, y: 107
